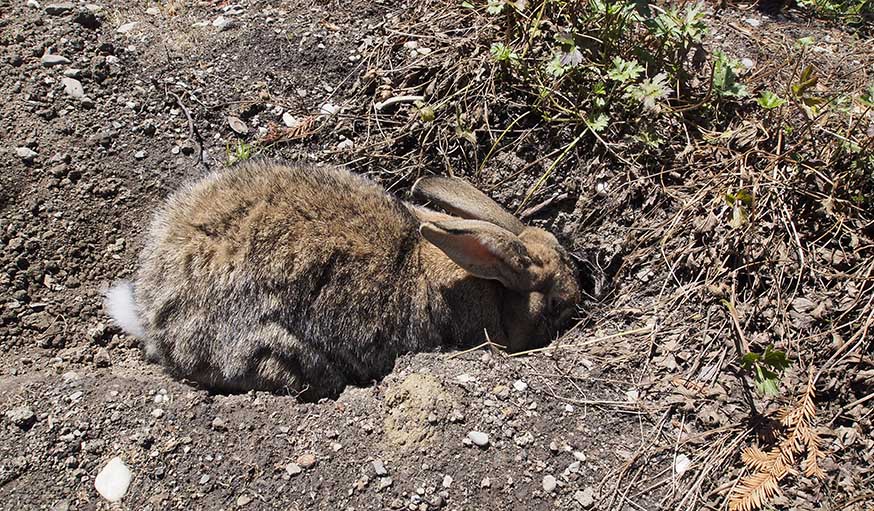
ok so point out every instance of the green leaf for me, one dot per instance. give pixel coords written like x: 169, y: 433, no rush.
x: 495, y: 6
x: 804, y: 42
x: 769, y: 101
x: 867, y: 97
x: 649, y: 91
x: 554, y: 67
x: 624, y: 70
x: 725, y: 76
x: 599, y: 123
x: 503, y: 53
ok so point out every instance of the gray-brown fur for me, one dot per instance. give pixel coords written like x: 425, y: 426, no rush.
x: 289, y: 276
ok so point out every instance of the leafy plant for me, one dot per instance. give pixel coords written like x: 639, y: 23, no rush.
x: 649, y: 91
x: 725, y: 76
x: 239, y: 151
x: 766, y: 368
x: 503, y: 53
x: 769, y: 101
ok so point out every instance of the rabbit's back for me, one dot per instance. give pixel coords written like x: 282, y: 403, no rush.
x: 268, y: 272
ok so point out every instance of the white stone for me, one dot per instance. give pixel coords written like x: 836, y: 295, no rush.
x: 752, y: 22
x: 345, y: 145
x: 290, y: 121
x: 520, y: 386
x: 73, y: 87
x: 127, y: 27
x: 329, y: 109
x: 447, y: 481
x: 747, y: 63
x: 153, y: 11
x: 549, y: 483
x: 113, y: 481
x: 682, y: 464
x: 478, y: 438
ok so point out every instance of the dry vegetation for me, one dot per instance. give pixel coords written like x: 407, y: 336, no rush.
x: 726, y: 181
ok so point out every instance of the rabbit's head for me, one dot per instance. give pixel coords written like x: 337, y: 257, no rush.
x: 537, y: 274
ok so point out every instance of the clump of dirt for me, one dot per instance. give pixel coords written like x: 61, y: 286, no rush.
x: 415, y: 407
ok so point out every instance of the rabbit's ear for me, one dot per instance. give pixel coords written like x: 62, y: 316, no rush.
x: 461, y: 199
x: 485, y: 251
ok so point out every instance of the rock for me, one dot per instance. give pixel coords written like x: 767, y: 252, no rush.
x: 478, y: 438
x: 549, y: 483
x: 50, y: 59
x: 113, y: 481
x: 747, y: 63
x: 139, y: 155
x: 384, y: 482
x: 72, y: 72
x: 61, y: 505
x: 33, y: 4
x: 153, y: 11
x: 243, y: 500
x: 73, y: 87
x: 60, y: 8
x: 682, y: 464
x: 21, y: 416
x: 26, y: 154
x: 127, y: 27
x: 204, y: 479
x: 345, y: 145
x: 585, y: 498
x: 524, y: 439
x: 485, y: 483
x: 222, y: 23
x: 307, y: 461
x: 329, y: 109
x: 101, y: 358
x: 157, y: 413
x: 237, y: 125
x: 290, y: 121
x: 293, y: 469
x: 379, y: 468
x: 447, y: 481
x: 520, y: 386
x: 218, y: 424
x: 752, y: 22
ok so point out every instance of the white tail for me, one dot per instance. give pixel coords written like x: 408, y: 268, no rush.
x: 119, y: 302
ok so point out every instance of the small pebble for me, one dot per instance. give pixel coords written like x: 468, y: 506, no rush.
x: 585, y: 498
x: 306, y: 461
x: 520, y: 386
x: 127, y: 27
x: 447, y: 481
x: 139, y: 155
x: 549, y: 483
x: 478, y: 438
x: 113, y: 480
x: 21, y: 416
x: 243, y: 500
x: 293, y: 469
x: 25, y: 153
x: 379, y: 468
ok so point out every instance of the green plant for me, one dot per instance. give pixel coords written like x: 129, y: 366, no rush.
x: 238, y: 151
x: 503, y: 53
x: 766, y: 368
x: 725, y: 76
x: 769, y: 101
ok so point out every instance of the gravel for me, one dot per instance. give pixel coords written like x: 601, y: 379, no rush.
x: 21, y: 416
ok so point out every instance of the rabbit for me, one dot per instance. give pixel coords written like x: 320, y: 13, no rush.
x: 304, y: 279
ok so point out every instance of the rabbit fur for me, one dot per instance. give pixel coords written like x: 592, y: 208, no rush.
x: 289, y: 276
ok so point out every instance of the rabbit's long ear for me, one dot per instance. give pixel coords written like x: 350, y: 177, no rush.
x: 461, y: 199
x: 484, y: 250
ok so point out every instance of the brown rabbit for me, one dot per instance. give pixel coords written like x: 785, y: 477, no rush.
x: 289, y: 276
